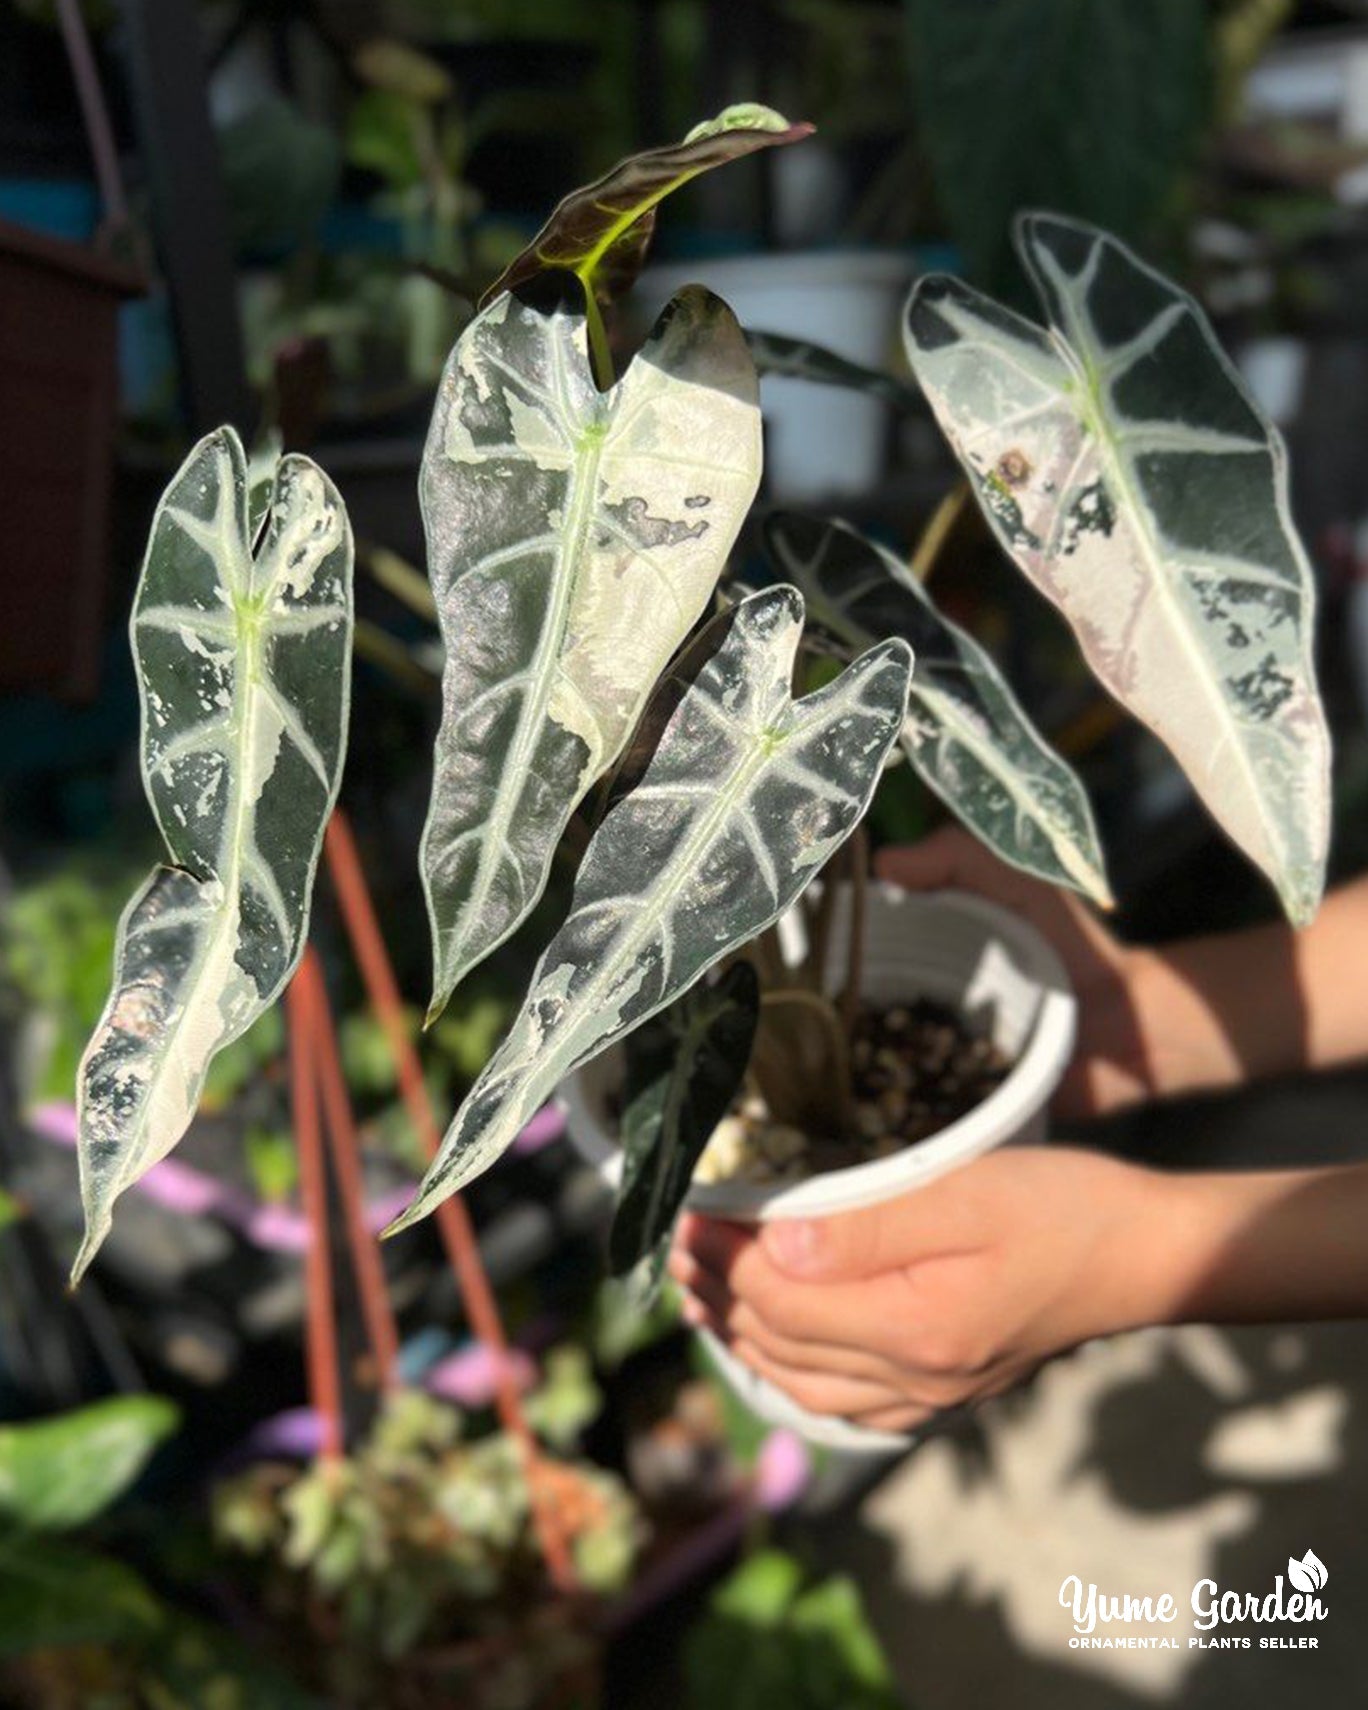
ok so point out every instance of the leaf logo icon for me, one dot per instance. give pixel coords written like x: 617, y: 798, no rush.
x: 1309, y: 1574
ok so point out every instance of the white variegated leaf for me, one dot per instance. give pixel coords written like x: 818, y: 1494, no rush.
x: 242, y: 651
x: 965, y: 733
x: 574, y: 538
x: 1122, y: 463
x: 747, y: 794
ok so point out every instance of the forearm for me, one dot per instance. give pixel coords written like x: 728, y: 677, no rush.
x: 1243, y: 1005
x: 1256, y: 1247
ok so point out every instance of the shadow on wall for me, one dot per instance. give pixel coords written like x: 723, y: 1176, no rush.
x: 1144, y: 1464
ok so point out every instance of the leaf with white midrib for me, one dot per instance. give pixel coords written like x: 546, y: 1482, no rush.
x: 746, y: 795
x: 573, y: 540
x: 243, y: 674
x: 1121, y: 461
x: 966, y: 734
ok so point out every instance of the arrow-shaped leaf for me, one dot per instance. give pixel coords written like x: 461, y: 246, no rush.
x: 965, y: 732
x: 1122, y: 463
x: 241, y: 644
x: 574, y: 538
x: 684, y: 1067
x: 601, y: 233
x: 747, y: 794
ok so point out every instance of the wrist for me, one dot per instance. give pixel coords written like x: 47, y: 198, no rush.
x: 1191, y: 1019
x: 1265, y: 1246
x: 1136, y: 1270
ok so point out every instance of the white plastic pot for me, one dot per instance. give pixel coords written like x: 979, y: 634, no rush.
x: 961, y: 950
x: 820, y: 441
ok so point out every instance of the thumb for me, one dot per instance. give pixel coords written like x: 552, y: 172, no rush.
x: 862, y: 1243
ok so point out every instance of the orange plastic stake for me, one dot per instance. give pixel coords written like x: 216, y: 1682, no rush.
x: 346, y: 1154
x: 453, y: 1219
x: 325, y: 1384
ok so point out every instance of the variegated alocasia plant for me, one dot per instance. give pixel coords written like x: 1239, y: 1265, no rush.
x: 241, y: 634
x: 746, y: 795
x: 574, y: 538
x: 1122, y: 463
x: 577, y: 529
x: 965, y: 731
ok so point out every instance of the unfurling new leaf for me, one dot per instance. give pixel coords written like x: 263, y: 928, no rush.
x: 1121, y: 461
x: 241, y: 639
x: 601, y: 233
x: 747, y: 794
x: 965, y: 732
x: 574, y: 538
x: 684, y: 1067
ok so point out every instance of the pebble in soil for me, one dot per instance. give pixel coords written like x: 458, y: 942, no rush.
x: 915, y: 1068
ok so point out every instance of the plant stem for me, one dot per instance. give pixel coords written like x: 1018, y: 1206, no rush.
x: 453, y: 1219
x: 856, y: 872
x: 389, y: 654
x: 938, y: 531
x: 403, y: 580
x: 838, y: 1047
x: 600, y: 355
x: 340, y: 1128
x: 325, y: 1383
x: 818, y: 917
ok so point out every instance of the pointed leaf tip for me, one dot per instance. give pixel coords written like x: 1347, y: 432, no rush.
x: 966, y: 734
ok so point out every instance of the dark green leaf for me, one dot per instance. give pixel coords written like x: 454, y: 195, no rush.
x: 53, y: 1595
x: 796, y: 359
x: 1095, y: 107
x: 684, y: 1067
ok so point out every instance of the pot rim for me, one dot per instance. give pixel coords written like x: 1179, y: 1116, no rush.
x: 1023, y: 1092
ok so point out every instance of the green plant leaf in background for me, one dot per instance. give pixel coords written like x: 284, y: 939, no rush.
x: 281, y: 172
x: 574, y: 538
x: 747, y: 794
x: 771, y: 1642
x: 787, y: 358
x: 684, y: 1067
x: 1094, y: 109
x: 1122, y: 463
x: 58, y: 1473
x: 242, y: 645
x: 601, y: 233
x: 965, y: 732
x: 54, y: 1594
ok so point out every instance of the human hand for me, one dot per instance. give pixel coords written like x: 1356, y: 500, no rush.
x: 944, y: 1296
x: 1143, y: 1030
